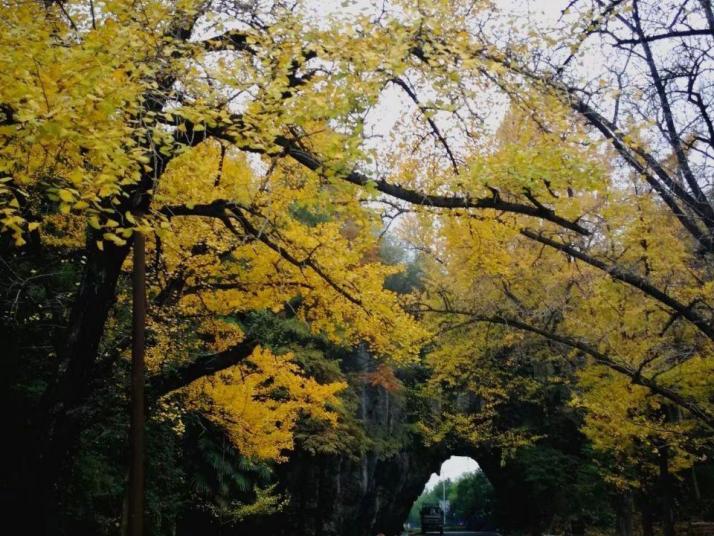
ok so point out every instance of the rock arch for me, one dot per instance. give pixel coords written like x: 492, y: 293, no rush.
x: 367, y: 494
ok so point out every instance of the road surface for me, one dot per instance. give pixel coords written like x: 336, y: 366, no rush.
x: 450, y: 533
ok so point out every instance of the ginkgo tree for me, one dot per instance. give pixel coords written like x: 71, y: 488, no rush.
x: 143, y: 135
x: 499, y: 286
x: 149, y: 85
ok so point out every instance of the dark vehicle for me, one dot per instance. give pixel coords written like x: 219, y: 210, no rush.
x: 432, y: 519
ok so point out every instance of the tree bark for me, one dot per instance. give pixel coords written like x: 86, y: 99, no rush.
x: 666, y: 492
x: 59, y: 425
x: 646, y: 514
x: 624, y: 514
x: 163, y: 384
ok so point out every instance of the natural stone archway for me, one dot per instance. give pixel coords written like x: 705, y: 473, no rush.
x: 372, y: 492
x: 348, y: 495
x: 344, y: 495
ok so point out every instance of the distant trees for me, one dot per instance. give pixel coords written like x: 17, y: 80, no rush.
x: 469, y: 496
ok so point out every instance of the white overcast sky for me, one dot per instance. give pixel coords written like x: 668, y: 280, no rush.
x: 451, y: 469
x: 393, y: 103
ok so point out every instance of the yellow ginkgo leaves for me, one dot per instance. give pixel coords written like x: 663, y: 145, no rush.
x: 259, y: 402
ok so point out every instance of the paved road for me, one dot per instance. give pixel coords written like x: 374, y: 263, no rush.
x: 449, y: 533
x: 464, y: 533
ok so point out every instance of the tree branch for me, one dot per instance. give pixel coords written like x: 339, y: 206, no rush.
x: 171, y: 380
x: 603, y: 359
x: 232, y: 40
x: 435, y: 129
x: 631, y: 279
x: 229, y: 131
x: 416, y: 197
x: 659, y: 37
x: 674, y: 138
x: 220, y: 209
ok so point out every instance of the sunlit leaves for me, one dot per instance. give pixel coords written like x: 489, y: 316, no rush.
x: 260, y: 402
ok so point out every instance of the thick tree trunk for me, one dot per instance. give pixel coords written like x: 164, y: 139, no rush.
x: 624, y: 514
x: 666, y: 492
x: 59, y: 425
x: 647, y: 515
x: 695, y: 484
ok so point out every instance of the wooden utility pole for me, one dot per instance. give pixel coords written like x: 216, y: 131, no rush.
x: 136, y: 429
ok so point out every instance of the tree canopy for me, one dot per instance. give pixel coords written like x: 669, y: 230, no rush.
x: 549, y: 181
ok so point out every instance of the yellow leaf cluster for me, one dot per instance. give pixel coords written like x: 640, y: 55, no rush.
x: 259, y: 402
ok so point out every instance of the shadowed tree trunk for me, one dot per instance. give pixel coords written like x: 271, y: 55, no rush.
x: 666, y: 492
x: 647, y: 514
x: 60, y: 425
x: 624, y: 514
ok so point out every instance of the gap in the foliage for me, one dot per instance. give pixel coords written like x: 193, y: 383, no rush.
x: 460, y: 494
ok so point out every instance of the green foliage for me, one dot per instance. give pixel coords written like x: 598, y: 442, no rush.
x: 470, y: 496
x: 411, y: 278
x: 223, y: 483
x: 570, y: 486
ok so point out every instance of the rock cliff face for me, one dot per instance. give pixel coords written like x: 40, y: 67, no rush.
x: 334, y: 496
x: 370, y: 492
x: 356, y: 495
